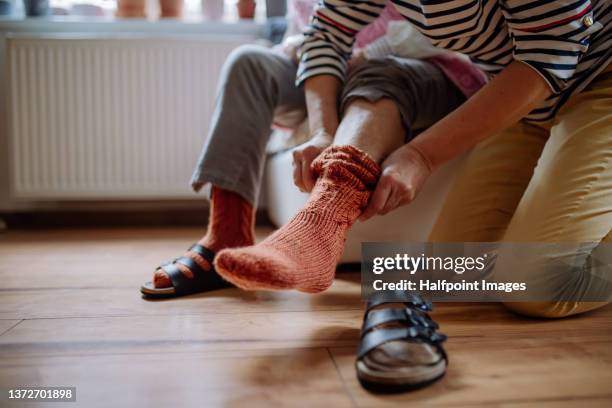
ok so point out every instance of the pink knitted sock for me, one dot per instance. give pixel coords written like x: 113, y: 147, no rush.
x: 303, y: 254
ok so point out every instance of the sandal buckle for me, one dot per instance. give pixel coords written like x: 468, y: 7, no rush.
x: 420, y: 318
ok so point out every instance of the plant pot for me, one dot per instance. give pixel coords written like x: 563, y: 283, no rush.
x: 246, y: 8
x: 131, y: 9
x: 170, y: 8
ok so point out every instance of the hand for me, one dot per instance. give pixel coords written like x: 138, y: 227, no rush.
x: 404, y: 173
x: 304, y: 155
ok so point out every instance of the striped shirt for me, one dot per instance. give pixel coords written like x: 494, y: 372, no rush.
x: 567, y: 42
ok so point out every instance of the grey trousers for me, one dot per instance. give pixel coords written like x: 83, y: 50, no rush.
x: 257, y: 82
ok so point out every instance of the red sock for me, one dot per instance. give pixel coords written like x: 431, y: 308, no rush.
x: 231, y: 221
x: 230, y: 224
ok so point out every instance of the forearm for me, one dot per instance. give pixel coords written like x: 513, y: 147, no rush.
x: 322, y: 103
x: 505, y: 100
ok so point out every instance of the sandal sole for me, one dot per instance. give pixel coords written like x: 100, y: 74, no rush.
x: 386, y: 388
x: 148, y: 291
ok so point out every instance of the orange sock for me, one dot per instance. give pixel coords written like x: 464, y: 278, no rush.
x: 231, y: 221
x: 303, y: 254
x: 230, y: 224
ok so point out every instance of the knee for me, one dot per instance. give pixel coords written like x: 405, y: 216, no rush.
x: 366, y: 86
x: 552, y: 310
x: 375, y: 86
x: 367, y: 71
x: 246, y: 59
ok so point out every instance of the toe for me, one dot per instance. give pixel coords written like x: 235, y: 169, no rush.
x: 161, y: 279
x: 253, y: 268
x: 225, y: 263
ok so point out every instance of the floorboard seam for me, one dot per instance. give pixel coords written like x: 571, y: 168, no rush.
x: 535, y: 400
x: 344, y: 385
x: 174, y: 315
x: 10, y: 328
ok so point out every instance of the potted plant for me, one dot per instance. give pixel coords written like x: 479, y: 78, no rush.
x: 246, y: 8
x: 131, y: 8
x: 170, y: 8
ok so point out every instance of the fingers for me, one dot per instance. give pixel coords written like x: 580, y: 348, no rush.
x: 378, y: 200
x: 308, y: 179
x: 303, y: 176
x: 390, y: 193
x: 392, y: 202
x: 308, y: 156
x: 297, y: 170
x: 401, y: 194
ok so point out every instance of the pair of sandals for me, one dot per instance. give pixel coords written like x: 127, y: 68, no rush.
x: 400, y: 348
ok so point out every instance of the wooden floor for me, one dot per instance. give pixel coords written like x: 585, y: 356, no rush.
x: 71, y: 315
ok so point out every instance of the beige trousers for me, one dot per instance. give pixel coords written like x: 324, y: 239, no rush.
x: 549, y: 183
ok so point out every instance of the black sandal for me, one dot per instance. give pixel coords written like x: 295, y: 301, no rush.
x: 202, y: 281
x: 400, y: 349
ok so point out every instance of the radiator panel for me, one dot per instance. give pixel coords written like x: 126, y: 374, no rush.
x: 109, y: 118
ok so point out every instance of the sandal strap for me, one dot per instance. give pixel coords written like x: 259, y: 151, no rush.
x: 418, y: 326
x: 178, y: 279
x: 203, y: 252
x: 375, y: 338
x: 409, y: 299
x: 201, y: 279
x: 193, y: 266
x: 407, y: 316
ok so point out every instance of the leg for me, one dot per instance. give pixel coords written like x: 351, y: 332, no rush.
x: 570, y: 200
x: 418, y: 91
x: 303, y: 254
x: 255, y: 83
x: 362, y: 120
x: 487, y: 191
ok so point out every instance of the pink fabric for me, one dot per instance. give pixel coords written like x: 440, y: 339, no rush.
x: 465, y: 75
x: 378, y: 27
x: 299, y: 14
x: 301, y: 10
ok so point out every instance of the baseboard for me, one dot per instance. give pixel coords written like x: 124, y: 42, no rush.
x: 55, y: 219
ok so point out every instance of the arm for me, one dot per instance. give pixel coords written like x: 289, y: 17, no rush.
x: 327, y: 45
x: 322, y: 103
x: 328, y: 41
x: 547, y: 42
x: 506, y: 99
x: 502, y: 102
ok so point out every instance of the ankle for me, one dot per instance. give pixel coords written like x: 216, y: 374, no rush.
x: 231, y: 221
x: 229, y: 240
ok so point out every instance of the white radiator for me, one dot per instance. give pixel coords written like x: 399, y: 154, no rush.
x: 117, y: 118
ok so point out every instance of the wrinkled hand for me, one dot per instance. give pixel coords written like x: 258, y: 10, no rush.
x: 404, y: 173
x: 304, y: 155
